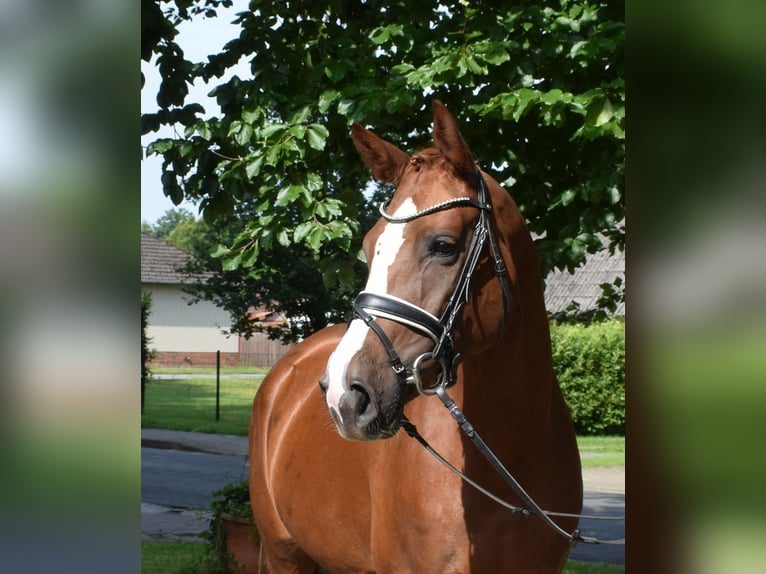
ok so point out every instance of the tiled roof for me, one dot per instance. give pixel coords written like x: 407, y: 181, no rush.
x: 162, y: 262
x: 562, y: 287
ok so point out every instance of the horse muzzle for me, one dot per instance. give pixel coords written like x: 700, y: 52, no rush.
x: 359, y: 414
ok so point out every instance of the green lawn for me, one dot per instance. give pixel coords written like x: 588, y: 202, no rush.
x: 189, y: 405
x: 171, y: 557
x: 186, y: 558
x: 192, y: 370
x: 602, y: 450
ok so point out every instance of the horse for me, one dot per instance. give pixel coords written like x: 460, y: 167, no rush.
x: 334, y: 482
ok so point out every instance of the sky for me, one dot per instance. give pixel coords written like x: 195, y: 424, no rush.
x: 198, y: 39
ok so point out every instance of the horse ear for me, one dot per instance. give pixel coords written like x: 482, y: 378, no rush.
x: 449, y: 141
x: 385, y: 160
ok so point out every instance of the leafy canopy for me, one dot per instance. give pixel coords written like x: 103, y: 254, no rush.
x: 537, y: 88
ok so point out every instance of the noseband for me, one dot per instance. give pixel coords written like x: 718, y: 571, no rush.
x: 369, y: 306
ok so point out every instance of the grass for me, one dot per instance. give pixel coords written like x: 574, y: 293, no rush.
x: 191, y: 370
x: 189, y: 405
x: 171, y: 557
x: 602, y: 450
x: 185, y: 558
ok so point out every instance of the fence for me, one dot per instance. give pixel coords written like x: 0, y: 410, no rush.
x: 260, y: 351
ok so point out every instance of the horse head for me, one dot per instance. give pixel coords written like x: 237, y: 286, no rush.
x: 431, y: 292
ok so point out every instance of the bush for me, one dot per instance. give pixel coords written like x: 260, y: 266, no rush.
x: 589, y: 361
x: 232, y: 499
x: 147, y: 354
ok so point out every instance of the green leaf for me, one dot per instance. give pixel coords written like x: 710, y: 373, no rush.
x: 297, y: 131
x: 272, y: 155
x: 288, y: 194
x: 524, y: 98
x: 244, y: 135
x: 493, y: 53
x: 331, y: 208
x: 219, y: 251
x: 600, y: 111
x: 283, y: 238
x: 271, y: 130
x: 300, y: 116
x: 302, y: 230
x: 159, y: 147
x: 326, y: 99
x: 380, y: 35
x: 315, y: 238
x: 345, y: 107
x: 251, y: 116
x: 186, y: 149
x: 171, y: 188
x: 253, y: 167
x: 606, y: 113
x: 402, y: 69
x: 552, y: 96
x: 383, y: 34
x: 314, y: 182
x: 251, y: 256
x: 232, y: 263
x: 316, y: 135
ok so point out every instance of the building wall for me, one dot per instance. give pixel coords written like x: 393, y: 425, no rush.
x: 176, y: 327
x: 172, y: 359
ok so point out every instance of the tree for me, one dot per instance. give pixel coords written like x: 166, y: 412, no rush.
x: 283, y: 280
x: 167, y: 223
x: 537, y: 88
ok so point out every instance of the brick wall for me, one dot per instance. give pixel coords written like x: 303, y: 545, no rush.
x: 170, y: 359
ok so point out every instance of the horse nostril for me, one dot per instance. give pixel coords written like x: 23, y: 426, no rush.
x: 363, y: 400
x: 359, y: 403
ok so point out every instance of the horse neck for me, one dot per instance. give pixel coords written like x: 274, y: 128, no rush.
x: 513, y: 379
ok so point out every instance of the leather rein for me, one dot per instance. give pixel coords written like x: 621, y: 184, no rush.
x: 368, y: 306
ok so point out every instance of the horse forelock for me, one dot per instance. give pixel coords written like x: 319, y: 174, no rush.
x: 429, y: 178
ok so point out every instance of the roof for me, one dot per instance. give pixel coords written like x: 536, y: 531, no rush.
x: 583, y: 287
x: 162, y: 262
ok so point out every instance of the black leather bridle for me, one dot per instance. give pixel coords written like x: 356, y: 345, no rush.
x: 368, y: 306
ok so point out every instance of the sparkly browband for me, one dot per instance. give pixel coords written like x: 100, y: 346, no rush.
x: 448, y: 204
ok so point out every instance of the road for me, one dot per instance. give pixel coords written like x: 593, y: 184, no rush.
x: 176, y: 485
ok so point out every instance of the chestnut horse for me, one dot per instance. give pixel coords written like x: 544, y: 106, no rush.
x: 332, y: 480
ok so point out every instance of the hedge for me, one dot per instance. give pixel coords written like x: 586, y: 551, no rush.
x: 589, y: 361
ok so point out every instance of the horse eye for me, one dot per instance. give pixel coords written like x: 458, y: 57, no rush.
x: 443, y: 247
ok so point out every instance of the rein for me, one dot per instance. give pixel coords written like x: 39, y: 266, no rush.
x: 369, y: 306
x: 532, y: 508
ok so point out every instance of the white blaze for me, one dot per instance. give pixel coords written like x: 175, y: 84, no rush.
x: 386, y: 250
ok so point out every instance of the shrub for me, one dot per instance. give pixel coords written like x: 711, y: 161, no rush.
x: 147, y: 354
x: 232, y: 499
x: 589, y: 361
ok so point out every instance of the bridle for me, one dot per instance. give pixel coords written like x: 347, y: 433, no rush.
x: 368, y: 306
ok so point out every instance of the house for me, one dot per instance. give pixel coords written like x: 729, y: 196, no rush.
x: 583, y: 287
x: 181, y: 334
